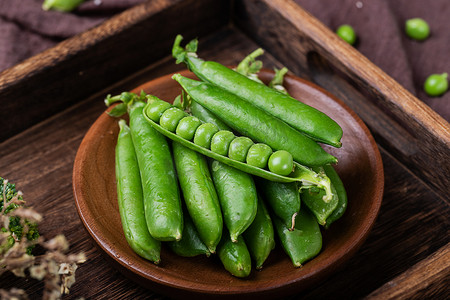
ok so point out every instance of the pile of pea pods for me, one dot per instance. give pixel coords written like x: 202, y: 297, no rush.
x: 229, y: 168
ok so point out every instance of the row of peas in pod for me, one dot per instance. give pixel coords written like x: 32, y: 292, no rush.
x: 222, y: 142
x: 189, y: 177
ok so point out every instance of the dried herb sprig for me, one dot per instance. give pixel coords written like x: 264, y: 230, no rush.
x: 19, y: 235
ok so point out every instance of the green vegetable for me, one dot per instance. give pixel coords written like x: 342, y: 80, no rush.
x: 259, y: 236
x: 206, y: 116
x: 301, y: 173
x: 277, y: 80
x: 300, y: 116
x: 235, y: 256
x: 190, y: 244
x: 320, y: 209
x: 255, y: 123
x: 187, y: 126
x: 436, y: 84
x: 131, y: 198
x: 239, y: 148
x: 170, y: 118
x: 281, y: 162
x: 237, y: 195
x: 304, y: 242
x: 258, y: 155
x: 162, y: 202
x: 220, y: 142
x: 236, y: 190
x: 340, y: 192
x: 282, y: 198
x: 161, y: 195
x: 347, y: 33
x: 417, y: 29
x: 204, y: 133
x: 199, y: 194
x: 156, y: 110
x: 249, y: 66
x: 61, y: 5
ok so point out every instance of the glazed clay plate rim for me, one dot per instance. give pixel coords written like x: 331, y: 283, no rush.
x: 159, y: 275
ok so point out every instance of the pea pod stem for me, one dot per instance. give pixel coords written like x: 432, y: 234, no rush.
x: 249, y: 66
x: 301, y: 173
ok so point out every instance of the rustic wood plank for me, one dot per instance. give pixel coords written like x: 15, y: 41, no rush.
x: 417, y: 281
x: 39, y: 160
x: 51, y: 81
x: 270, y: 22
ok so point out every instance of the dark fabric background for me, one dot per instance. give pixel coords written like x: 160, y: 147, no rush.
x: 25, y: 30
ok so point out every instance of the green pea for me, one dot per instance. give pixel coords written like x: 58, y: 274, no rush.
x: 170, y: 118
x: 347, y: 33
x: 436, y: 84
x: 204, y: 134
x: 155, y: 109
x: 258, y: 155
x: 239, y: 148
x: 187, y: 126
x: 417, y: 29
x: 220, y: 142
x: 281, y: 162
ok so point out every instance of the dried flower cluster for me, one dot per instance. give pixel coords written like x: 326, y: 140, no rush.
x: 19, y: 235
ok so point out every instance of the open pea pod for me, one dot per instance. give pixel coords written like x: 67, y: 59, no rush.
x: 306, y: 176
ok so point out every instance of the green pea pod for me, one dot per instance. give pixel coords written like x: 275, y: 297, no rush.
x: 312, y: 198
x: 199, y: 194
x: 235, y: 256
x: 161, y: 194
x: 282, y: 198
x: 259, y: 236
x: 237, y: 216
x: 255, y: 123
x: 190, y: 244
x: 130, y: 198
x: 300, y: 116
x: 301, y: 173
x: 341, y: 194
x: 206, y: 116
x: 304, y: 242
x: 237, y: 196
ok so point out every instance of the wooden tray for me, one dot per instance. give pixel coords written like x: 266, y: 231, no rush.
x: 50, y: 100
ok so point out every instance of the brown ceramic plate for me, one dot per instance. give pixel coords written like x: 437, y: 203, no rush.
x: 360, y: 168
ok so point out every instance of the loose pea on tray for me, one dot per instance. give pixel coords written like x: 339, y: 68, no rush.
x: 217, y: 171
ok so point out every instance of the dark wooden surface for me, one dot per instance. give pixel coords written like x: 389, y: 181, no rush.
x: 410, y: 236
x: 106, y: 53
